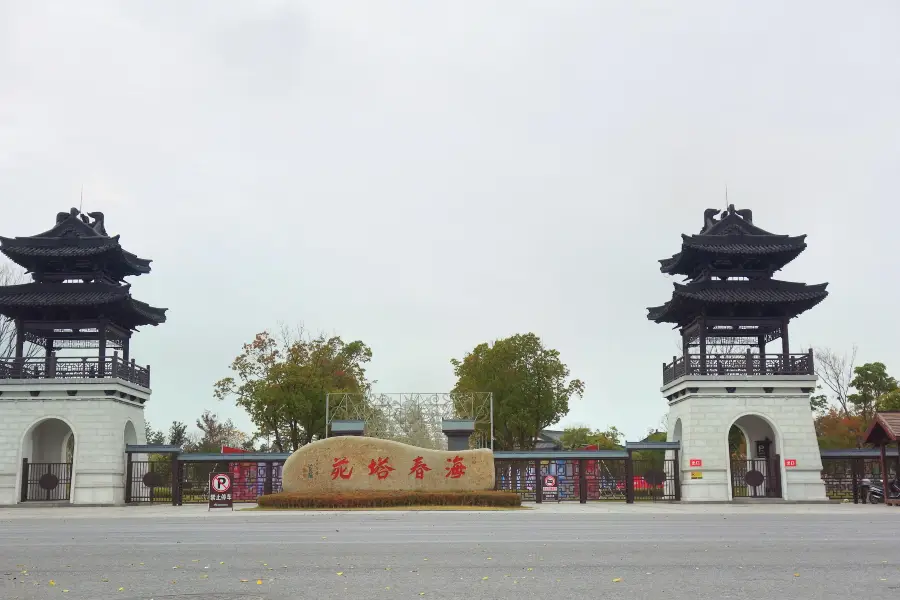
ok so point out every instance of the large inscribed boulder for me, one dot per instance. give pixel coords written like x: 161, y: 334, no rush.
x: 351, y: 463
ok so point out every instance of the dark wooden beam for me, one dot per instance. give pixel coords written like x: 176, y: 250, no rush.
x: 20, y: 339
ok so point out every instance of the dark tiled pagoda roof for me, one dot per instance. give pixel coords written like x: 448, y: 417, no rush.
x: 732, y: 237
x: 768, y: 297
x: 78, y: 301
x: 77, y: 243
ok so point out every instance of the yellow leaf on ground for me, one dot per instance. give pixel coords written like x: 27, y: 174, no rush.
x: 52, y: 582
x: 244, y: 580
x: 484, y: 578
x: 121, y: 589
x: 530, y: 569
x: 65, y: 591
x: 796, y: 574
x: 339, y: 573
x: 617, y: 580
x: 259, y: 582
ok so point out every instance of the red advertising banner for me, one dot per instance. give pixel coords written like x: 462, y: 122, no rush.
x: 790, y: 462
x: 696, y: 462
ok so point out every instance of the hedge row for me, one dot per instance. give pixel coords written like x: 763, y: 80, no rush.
x: 387, y: 499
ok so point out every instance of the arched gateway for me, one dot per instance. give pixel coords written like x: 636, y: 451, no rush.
x: 740, y: 408
x: 66, y: 418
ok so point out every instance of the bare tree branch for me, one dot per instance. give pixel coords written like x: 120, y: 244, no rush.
x: 836, y: 372
x: 11, y: 274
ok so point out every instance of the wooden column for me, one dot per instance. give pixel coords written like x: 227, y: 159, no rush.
x: 538, y: 482
x: 702, y: 341
x: 761, y: 340
x: 125, y: 349
x: 884, y: 473
x: 20, y: 340
x: 101, y: 354
x: 785, y: 343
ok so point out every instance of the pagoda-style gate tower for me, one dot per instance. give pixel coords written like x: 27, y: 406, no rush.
x: 65, y: 420
x: 729, y: 311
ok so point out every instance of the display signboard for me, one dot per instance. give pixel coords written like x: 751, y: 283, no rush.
x: 790, y: 462
x: 550, y: 488
x: 696, y: 474
x: 696, y: 462
x: 220, y: 493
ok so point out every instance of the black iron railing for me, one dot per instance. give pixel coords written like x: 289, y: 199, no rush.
x: 739, y: 364
x: 46, y: 481
x: 591, y: 479
x: 53, y: 367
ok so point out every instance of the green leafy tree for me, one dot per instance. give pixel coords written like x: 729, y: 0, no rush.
x: 529, y: 382
x: 574, y: 438
x: 282, y: 383
x: 871, y: 382
x: 153, y: 436
x: 889, y: 401
x: 215, y: 433
x: 178, y: 434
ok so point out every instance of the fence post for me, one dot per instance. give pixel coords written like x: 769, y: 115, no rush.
x: 538, y: 482
x: 855, y: 480
x: 267, y: 486
x: 24, y: 496
x: 629, y: 478
x: 677, y: 467
x: 128, y: 472
x: 582, y: 481
x: 176, y: 481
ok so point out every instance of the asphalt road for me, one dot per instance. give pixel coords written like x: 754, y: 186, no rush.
x: 629, y: 552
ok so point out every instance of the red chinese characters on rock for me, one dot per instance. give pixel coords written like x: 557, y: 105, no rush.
x: 419, y: 467
x: 381, y: 468
x: 456, y: 468
x: 339, y: 469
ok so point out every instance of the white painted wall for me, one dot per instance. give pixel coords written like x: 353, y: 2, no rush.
x: 97, y: 414
x: 707, y: 411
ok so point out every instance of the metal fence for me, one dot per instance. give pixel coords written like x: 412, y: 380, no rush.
x: 847, y: 473
x: 590, y: 476
x: 46, y: 481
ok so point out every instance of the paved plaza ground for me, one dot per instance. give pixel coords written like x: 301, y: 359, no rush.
x: 555, y: 551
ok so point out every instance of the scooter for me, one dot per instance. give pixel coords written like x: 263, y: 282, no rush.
x: 875, y: 491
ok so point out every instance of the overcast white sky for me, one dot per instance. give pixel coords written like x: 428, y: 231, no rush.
x: 425, y: 176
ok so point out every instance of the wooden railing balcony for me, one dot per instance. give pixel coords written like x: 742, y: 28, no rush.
x: 53, y: 367
x: 739, y: 364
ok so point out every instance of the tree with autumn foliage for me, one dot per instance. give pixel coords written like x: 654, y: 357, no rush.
x: 282, y: 383
x: 855, y: 393
x: 836, y: 431
x: 530, y: 385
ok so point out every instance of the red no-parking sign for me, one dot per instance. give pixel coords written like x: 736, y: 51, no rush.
x: 220, y: 491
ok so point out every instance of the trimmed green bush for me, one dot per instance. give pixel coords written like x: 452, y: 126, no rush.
x: 388, y: 499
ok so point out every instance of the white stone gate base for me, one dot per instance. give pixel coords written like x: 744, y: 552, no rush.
x: 39, y: 416
x: 702, y: 409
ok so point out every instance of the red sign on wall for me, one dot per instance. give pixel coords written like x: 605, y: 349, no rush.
x: 696, y: 462
x: 790, y: 462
